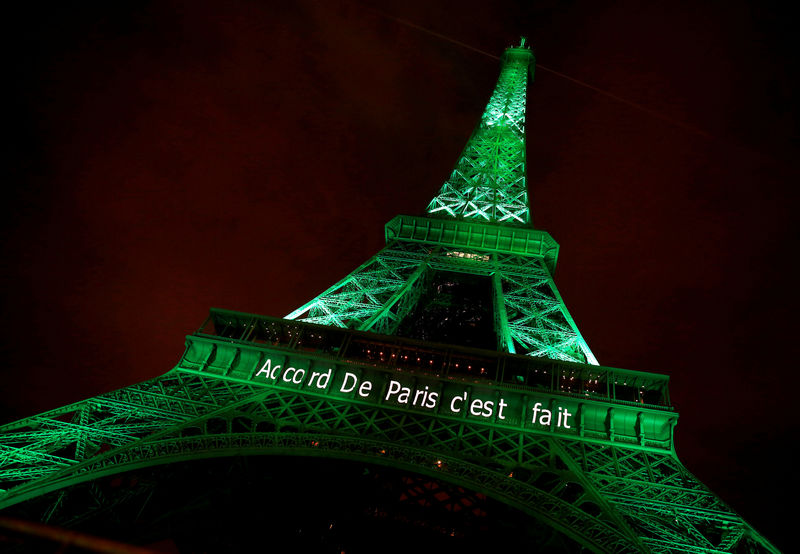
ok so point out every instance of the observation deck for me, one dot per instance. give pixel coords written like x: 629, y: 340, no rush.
x: 607, y: 404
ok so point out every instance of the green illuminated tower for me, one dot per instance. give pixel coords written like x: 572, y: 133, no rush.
x: 448, y: 356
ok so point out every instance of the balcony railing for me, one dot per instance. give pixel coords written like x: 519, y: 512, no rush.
x: 443, y: 360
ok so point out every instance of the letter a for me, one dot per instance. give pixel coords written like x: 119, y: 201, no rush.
x: 267, y: 368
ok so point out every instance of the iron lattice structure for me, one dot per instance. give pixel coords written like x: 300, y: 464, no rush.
x: 535, y: 423
x: 488, y: 182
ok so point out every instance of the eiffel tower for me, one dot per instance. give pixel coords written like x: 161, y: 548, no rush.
x: 448, y: 357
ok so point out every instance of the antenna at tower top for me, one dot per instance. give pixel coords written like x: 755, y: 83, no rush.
x: 522, y: 41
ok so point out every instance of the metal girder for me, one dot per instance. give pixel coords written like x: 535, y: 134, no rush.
x: 483, y: 216
x: 608, y: 479
x: 452, y: 451
x: 608, y: 497
x: 538, y: 320
x: 600, y: 496
x: 489, y: 180
x: 460, y: 235
x: 530, y: 316
x: 369, y: 291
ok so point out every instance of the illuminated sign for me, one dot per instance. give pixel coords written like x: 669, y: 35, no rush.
x: 422, y: 393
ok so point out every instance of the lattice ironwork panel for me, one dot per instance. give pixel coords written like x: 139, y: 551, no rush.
x: 268, y: 421
x: 489, y: 179
x: 669, y: 508
x: 612, y: 489
x: 538, y: 321
x: 369, y: 292
x: 609, y: 498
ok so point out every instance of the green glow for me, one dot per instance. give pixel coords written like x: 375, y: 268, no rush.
x: 489, y: 180
x: 487, y: 195
x: 242, y: 371
x: 537, y: 423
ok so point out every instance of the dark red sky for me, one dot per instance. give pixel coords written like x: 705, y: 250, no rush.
x: 173, y: 157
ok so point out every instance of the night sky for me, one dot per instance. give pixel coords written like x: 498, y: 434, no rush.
x: 171, y: 157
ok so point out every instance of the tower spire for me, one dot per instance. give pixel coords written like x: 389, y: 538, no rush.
x: 449, y: 354
x: 479, y: 225
x: 489, y: 181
